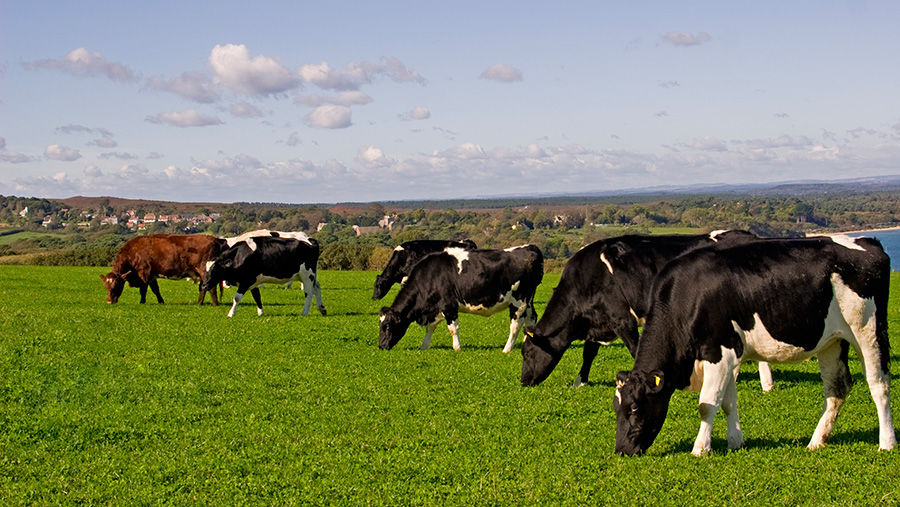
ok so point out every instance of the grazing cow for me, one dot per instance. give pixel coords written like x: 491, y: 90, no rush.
x: 774, y: 300
x: 143, y: 259
x: 258, y: 260
x: 469, y: 281
x: 603, y: 293
x: 406, y: 256
x: 302, y: 236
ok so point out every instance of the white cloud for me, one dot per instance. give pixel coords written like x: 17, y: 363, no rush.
x: 105, y: 142
x: 81, y: 62
x: 92, y: 171
x: 330, y: 117
x: 293, y: 139
x: 503, y: 73
x: 784, y: 141
x: 355, y: 75
x: 345, y: 98
x: 63, y: 153
x: 417, y: 113
x: 245, y: 110
x: 685, y: 39
x: 708, y: 143
x: 118, y: 155
x: 260, y: 75
x: 195, y: 86
x: 186, y: 118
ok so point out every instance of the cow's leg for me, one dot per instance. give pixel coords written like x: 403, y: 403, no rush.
x: 143, y: 290
x: 837, y: 382
x: 716, y: 377
x: 765, y: 376
x: 516, y: 318
x: 238, y: 296
x: 307, y: 293
x: 258, y: 298
x: 429, y: 330
x: 880, y: 388
x: 311, y: 289
x: 213, y: 297
x: 154, y: 286
x: 453, y: 326
x: 588, y: 354
x: 317, y: 291
x: 729, y: 407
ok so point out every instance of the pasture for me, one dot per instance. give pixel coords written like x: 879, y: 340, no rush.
x: 175, y: 404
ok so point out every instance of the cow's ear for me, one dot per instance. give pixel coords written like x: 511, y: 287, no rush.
x: 621, y: 377
x: 125, y: 274
x: 656, y: 381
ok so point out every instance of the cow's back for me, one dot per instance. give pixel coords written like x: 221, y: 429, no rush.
x: 166, y: 255
x: 787, y: 284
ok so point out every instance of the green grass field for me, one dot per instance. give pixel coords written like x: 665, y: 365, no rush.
x: 177, y: 404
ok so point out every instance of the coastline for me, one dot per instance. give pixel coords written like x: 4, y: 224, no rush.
x: 861, y: 231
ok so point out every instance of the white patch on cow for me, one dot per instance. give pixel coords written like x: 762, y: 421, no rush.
x: 618, y: 396
x: 301, y: 236
x: 398, y: 248
x: 847, y: 314
x: 209, y: 265
x: 606, y: 261
x: 251, y: 244
x: 405, y: 278
x: 714, y: 234
x: 847, y: 242
x: 718, y: 388
x: 510, y: 249
x: 460, y: 254
x: 761, y: 345
x: 381, y: 318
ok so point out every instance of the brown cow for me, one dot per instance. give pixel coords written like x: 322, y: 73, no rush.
x: 144, y: 259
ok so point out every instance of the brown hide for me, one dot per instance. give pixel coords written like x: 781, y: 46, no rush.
x: 144, y: 259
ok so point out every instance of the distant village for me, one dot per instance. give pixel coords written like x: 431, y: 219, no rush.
x: 132, y: 219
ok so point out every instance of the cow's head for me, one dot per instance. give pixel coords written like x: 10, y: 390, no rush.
x: 391, y: 328
x: 214, y: 274
x: 392, y: 273
x: 383, y: 284
x: 114, y: 283
x: 539, y: 357
x: 641, y: 404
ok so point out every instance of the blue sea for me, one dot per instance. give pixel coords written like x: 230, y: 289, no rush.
x: 890, y: 240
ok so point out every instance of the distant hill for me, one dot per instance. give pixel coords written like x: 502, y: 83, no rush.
x: 889, y: 183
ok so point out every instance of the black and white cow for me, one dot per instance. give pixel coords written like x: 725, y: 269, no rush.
x: 604, y: 293
x: 406, y: 255
x: 774, y: 300
x: 258, y: 260
x: 302, y: 236
x: 482, y: 282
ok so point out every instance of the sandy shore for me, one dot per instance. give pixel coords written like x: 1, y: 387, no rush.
x: 860, y: 231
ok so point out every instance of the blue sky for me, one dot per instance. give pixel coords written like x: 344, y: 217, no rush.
x: 370, y: 101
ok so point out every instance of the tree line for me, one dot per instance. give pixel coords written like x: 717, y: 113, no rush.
x: 361, y: 236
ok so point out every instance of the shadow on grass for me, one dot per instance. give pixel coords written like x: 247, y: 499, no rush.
x: 720, y: 445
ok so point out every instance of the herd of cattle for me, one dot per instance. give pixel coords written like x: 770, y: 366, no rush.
x: 705, y: 303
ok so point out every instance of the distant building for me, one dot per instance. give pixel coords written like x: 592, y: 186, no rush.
x: 24, y: 212
x: 366, y: 230
x: 386, y: 223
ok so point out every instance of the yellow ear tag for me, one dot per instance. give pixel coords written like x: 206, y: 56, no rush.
x: 657, y: 379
